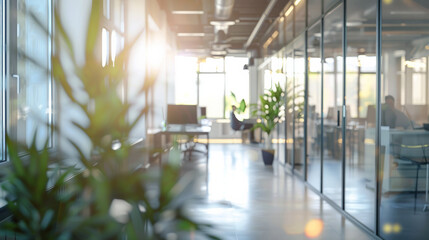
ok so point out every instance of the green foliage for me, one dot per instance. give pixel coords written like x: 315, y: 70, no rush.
x: 38, y: 210
x: 241, y: 106
x: 271, y: 109
x: 81, y: 208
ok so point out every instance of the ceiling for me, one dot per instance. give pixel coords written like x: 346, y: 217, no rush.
x: 202, y: 29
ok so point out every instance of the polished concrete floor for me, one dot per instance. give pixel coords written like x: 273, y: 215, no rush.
x: 244, y: 199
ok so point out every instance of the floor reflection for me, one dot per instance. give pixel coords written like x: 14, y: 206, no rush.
x: 247, y: 200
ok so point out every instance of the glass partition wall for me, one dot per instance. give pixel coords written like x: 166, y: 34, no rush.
x: 360, y: 136
x: 361, y: 100
x: 404, y: 143
x: 332, y: 111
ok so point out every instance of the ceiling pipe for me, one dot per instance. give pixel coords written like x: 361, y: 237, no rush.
x: 223, y: 9
x: 260, y: 22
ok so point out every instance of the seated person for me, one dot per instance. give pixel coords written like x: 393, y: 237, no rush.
x: 238, y: 125
x: 392, y: 117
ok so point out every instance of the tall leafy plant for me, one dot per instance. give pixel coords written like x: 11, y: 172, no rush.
x: 271, y: 110
x: 32, y: 187
x: 154, y: 203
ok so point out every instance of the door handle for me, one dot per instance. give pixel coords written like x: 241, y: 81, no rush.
x: 16, y: 76
x: 338, y: 118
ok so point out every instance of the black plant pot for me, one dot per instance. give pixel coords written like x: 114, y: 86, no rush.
x: 268, y: 156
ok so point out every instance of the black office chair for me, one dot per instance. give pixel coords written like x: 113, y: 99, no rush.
x: 238, y: 125
x: 415, y: 155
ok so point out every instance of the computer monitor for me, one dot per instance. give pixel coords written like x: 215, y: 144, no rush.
x: 182, y: 114
x: 203, y: 112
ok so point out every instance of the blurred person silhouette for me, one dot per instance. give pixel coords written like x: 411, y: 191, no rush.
x: 392, y: 117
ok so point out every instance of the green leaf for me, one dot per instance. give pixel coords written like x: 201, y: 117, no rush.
x: 47, y: 219
x: 93, y: 27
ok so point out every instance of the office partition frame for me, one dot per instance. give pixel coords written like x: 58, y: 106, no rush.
x: 377, y: 195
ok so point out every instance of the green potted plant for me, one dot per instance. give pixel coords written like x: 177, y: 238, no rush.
x: 84, y: 202
x: 272, y: 111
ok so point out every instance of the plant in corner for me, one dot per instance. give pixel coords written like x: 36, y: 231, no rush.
x: 151, y: 202
x: 272, y: 111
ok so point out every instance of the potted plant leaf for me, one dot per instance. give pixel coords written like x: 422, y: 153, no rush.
x: 271, y: 110
x: 112, y: 194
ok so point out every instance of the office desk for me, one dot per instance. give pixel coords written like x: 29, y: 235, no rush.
x: 187, y: 131
x: 394, y: 180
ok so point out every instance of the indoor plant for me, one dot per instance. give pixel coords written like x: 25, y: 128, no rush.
x: 272, y: 111
x: 81, y: 207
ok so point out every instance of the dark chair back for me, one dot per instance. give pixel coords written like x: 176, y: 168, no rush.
x: 234, y: 122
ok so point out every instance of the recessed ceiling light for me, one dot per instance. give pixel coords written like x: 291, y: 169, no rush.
x: 190, y: 34
x: 222, y: 23
x: 185, y: 12
x: 218, y: 52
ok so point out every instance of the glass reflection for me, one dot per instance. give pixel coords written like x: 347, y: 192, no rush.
x: 314, y: 108
x: 314, y: 10
x: 299, y: 16
x: 30, y: 103
x: 332, y: 105
x: 289, y: 106
x: 361, y: 100
x: 404, y: 111
x: 298, y: 104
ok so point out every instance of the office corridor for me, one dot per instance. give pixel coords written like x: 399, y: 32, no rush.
x: 246, y: 200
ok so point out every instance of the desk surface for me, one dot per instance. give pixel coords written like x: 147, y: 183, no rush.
x: 187, y: 130
x: 408, y: 132
x: 197, y: 130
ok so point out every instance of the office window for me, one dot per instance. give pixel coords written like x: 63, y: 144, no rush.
x: 186, y: 80
x: 212, y: 65
x: 405, y: 108
x: 237, y: 81
x: 29, y: 99
x: 212, y: 94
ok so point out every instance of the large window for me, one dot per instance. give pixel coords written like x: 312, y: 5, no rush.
x: 209, y: 83
x: 29, y: 97
x: 186, y: 80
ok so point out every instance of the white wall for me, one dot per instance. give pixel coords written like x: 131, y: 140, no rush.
x: 135, y: 23
x: 74, y: 16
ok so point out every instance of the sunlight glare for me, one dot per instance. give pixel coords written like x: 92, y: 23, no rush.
x: 314, y: 228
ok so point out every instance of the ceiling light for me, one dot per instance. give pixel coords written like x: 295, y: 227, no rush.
x: 297, y: 2
x: 218, y: 52
x: 222, y: 23
x: 289, y: 11
x: 184, y: 12
x: 275, y: 34
x: 190, y: 34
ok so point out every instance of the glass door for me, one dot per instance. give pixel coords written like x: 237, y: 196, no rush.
x: 298, y: 104
x: 333, y: 110
x: 314, y: 102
